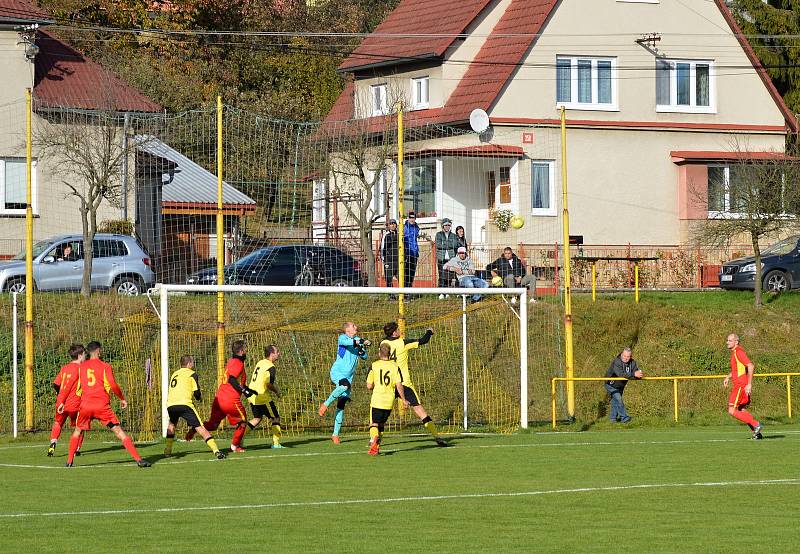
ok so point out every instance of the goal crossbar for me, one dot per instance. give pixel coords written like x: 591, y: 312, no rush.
x: 163, y: 291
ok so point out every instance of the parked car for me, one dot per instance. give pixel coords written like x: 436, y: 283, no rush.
x: 287, y: 265
x: 781, y: 268
x: 119, y: 263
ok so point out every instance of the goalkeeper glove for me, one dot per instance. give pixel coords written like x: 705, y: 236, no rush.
x: 364, y: 342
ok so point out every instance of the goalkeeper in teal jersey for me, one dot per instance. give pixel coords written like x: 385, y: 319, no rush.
x: 351, y: 348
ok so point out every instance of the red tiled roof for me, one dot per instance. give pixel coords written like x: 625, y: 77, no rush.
x: 680, y: 156
x: 443, y: 18
x: 65, y: 78
x: 19, y: 10
x: 498, y: 57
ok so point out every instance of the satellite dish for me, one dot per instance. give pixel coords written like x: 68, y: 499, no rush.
x: 479, y: 120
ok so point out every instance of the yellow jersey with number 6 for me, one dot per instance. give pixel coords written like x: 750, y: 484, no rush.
x: 385, y: 376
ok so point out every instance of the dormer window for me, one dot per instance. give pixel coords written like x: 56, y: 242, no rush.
x: 379, y: 105
x: 420, y: 93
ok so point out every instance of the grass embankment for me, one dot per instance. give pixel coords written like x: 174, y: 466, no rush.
x: 684, y: 334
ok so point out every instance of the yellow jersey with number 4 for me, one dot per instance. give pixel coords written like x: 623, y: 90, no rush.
x: 385, y: 376
x: 399, y: 353
x: 263, y: 375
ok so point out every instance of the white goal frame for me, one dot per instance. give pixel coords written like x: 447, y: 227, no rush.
x: 164, y: 290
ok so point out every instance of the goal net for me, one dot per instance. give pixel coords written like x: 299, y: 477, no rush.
x: 472, y: 374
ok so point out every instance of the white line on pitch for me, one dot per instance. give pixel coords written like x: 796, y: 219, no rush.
x: 309, y: 504
x: 284, y: 455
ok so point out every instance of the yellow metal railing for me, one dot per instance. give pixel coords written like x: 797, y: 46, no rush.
x: 675, y: 379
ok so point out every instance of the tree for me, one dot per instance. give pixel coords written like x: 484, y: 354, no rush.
x: 89, y: 151
x: 755, y: 196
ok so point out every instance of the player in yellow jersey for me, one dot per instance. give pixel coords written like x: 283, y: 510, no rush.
x: 400, y: 347
x: 384, y: 381
x: 262, y: 383
x: 184, y: 389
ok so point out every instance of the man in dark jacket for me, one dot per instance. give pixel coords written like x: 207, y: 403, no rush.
x: 389, y: 253
x: 511, y: 269
x: 622, y: 366
x: 411, y: 233
x: 446, y: 245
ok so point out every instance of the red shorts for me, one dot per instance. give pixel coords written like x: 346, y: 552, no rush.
x: 103, y: 414
x: 62, y: 417
x: 738, y: 396
x: 233, y: 409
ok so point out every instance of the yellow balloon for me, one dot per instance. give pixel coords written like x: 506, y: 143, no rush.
x: 517, y: 221
x: 497, y: 281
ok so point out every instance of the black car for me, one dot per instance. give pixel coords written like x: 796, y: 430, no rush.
x: 781, y: 268
x: 288, y: 265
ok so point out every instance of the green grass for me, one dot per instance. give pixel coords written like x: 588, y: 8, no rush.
x: 620, y: 489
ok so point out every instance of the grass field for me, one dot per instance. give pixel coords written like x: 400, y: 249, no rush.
x: 684, y: 489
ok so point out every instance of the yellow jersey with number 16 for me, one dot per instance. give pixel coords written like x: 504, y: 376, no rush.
x: 385, y: 376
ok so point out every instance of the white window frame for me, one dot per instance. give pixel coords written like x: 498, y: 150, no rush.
x: 377, y: 109
x: 513, y: 182
x: 551, y: 172
x: 417, y: 102
x: 438, y: 193
x: 379, y: 192
x: 35, y: 203
x: 573, y: 104
x: 725, y: 213
x: 673, y: 106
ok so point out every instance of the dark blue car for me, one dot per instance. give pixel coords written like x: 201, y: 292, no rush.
x: 283, y: 265
x: 781, y: 268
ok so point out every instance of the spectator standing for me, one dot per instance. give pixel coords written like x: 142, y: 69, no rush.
x: 463, y: 267
x: 446, y: 246
x: 410, y: 236
x: 511, y: 269
x: 461, y: 238
x: 389, y: 244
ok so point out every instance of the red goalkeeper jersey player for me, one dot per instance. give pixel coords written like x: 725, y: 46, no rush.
x: 741, y: 376
x: 95, y: 381
x: 228, y: 401
x: 67, y: 399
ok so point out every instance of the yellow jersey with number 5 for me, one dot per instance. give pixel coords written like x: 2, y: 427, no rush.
x: 385, y: 376
x: 263, y: 375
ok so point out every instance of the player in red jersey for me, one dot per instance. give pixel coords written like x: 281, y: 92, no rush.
x: 95, y: 380
x: 742, y: 376
x: 67, y: 401
x: 228, y: 401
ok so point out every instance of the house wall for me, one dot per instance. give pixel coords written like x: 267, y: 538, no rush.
x: 609, y: 28
x: 56, y: 211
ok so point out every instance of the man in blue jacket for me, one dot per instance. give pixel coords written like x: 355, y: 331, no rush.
x: 410, y: 237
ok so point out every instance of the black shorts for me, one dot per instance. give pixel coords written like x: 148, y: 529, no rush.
x: 187, y: 413
x: 410, y: 394
x: 265, y: 410
x: 380, y: 416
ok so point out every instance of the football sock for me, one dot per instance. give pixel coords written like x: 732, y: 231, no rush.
x: 745, y: 417
x: 73, y: 446
x: 168, y: 445
x: 55, y: 432
x: 337, y: 392
x: 373, y: 435
x: 430, y: 426
x: 80, y: 440
x: 128, y: 444
x: 276, y: 434
x: 212, y: 444
x: 337, y: 421
x: 238, y: 435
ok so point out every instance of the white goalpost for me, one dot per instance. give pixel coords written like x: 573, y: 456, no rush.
x: 502, y: 309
